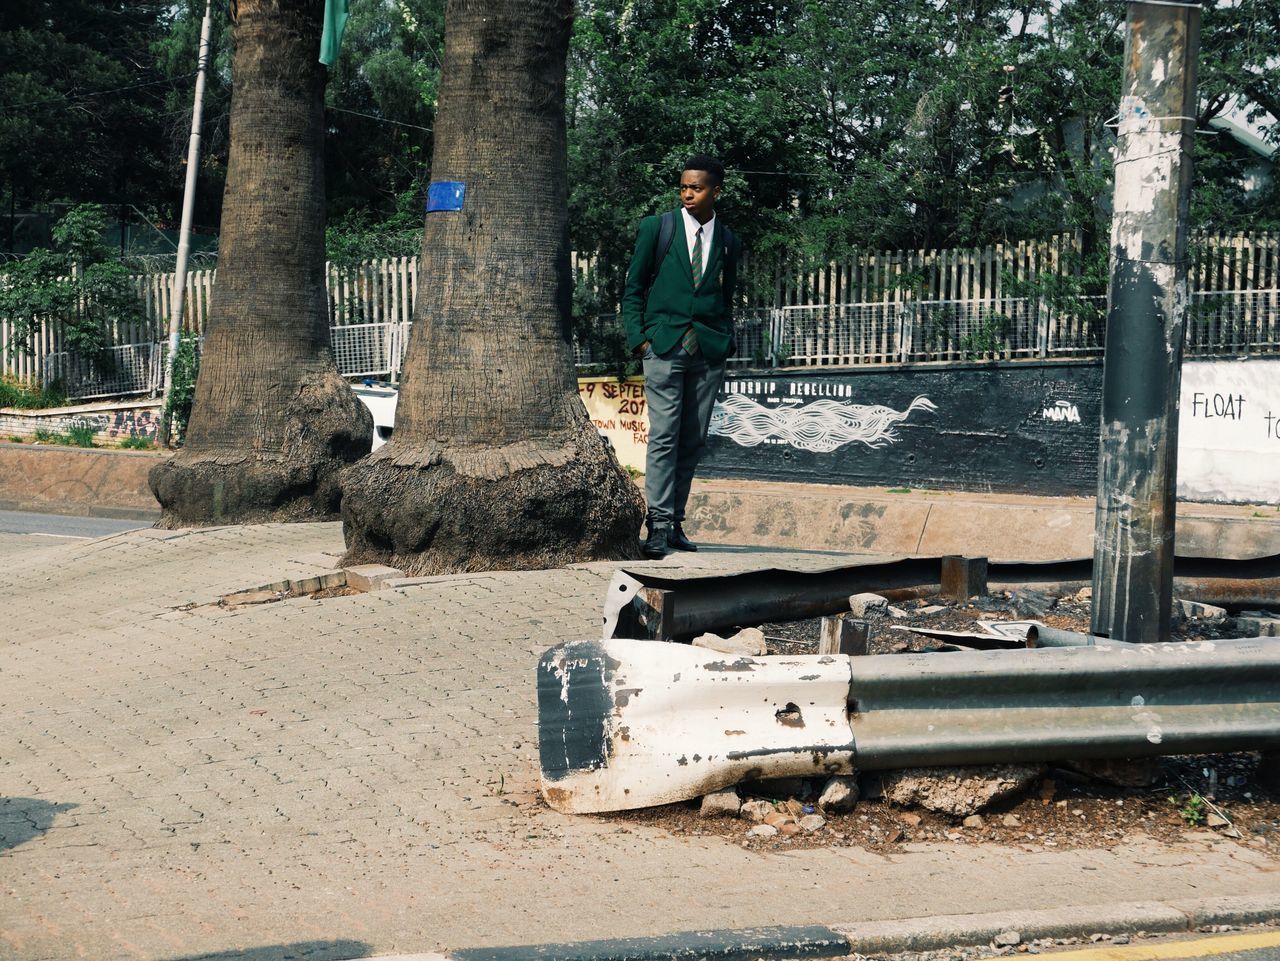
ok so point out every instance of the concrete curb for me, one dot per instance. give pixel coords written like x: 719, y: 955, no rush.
x: 889, y: 937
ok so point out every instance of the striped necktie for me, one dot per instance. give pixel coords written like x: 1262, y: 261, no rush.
x: 689, y: 342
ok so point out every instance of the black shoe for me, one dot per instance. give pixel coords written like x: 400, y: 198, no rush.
x: 677, y: 541
x: 655, y: 545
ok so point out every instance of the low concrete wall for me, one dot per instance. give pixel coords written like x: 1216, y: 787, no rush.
x: 73, y: 480
x: 112, y: 421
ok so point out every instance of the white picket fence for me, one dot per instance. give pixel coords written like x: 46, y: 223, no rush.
x: 879, y: 307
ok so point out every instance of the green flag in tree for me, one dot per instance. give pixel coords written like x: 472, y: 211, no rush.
x: 335, y: 19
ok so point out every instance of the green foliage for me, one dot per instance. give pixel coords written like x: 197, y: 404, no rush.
x: 137, y: 443
x: 80, y: 434
x: 82, y: 100
x: 1193, y: 810
x: 77, y: 286
x: 182, y: 391
x: 25, y: 396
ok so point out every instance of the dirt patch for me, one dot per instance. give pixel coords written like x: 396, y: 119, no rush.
x: 1190, y: 796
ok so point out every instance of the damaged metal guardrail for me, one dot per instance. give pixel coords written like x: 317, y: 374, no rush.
x: 668, y: 603
x: 626, y: 723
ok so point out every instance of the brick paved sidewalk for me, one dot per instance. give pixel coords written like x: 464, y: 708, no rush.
x: 357, y: 775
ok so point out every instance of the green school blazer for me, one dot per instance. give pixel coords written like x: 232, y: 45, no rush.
x: 672, y: 304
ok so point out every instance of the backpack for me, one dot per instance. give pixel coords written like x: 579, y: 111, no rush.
x: 662, y: 244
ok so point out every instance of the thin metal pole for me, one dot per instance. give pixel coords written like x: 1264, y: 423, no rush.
x: 188, y: 206
x: 1137, y: 452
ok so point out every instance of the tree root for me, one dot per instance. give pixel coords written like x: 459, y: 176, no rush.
x: 433, y: 509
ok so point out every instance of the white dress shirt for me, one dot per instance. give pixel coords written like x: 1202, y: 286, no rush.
x: 691, y: 226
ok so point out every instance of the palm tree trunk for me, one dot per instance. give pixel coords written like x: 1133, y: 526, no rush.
x: 272, y: 422
x: 493, y: 462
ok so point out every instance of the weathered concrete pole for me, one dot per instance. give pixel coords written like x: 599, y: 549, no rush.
x: 1137, y: 452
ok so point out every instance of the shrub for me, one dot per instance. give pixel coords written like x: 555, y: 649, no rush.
x: 80, y: 434
x: 186, y: 367
x: 137, y: 443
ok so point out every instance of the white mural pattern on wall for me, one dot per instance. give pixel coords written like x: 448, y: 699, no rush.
x: 822, y: 426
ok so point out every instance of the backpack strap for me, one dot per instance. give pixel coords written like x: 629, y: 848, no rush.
x: 729, y: 240
x: 662, y: 244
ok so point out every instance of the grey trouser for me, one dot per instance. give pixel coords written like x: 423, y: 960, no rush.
x: 680, y: 390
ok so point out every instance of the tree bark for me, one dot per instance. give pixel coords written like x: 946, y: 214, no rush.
x: 493, y: 463
x: 272, y: 422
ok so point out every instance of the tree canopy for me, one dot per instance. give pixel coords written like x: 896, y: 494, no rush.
x: 904, y: 124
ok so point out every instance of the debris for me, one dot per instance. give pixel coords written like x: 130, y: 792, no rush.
x: 812, y: 822
x: 839, y: 794
x: 958, y: 791
x: 1215, y: 820
x: 755, y: 810
x: 789, y: 828
x: 1007, y: 939
x: 860, y: 605
x: 721, y: 804
x: 1084, y: 594
x: 984, y: 641
x: 748, y: 642
x: 777, y: 818
x: 973, y: 821
x: 898, y: 612
x: 932, y: 609
x: 1011, y: 821
x: 910, y: 819
x: 1139, y: 772
x: 762, y: 831
x: 1120, y: 939
x: 1031, y: 603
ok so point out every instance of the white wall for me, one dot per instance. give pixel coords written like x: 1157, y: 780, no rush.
x: 1229, y: 431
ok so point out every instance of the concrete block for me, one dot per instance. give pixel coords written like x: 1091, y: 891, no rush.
x: 861, y: 604
x: 371, y: 577
x: 964, y: 577
x: 1206, y: 612
x: 1259, y: 625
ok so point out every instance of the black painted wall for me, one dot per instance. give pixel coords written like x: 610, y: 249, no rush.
x: 1018, y: 427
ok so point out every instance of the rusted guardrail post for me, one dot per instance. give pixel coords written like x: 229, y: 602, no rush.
x: 1138, y: 444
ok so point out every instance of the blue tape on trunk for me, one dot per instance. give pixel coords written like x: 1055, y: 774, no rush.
x: 445, y: 195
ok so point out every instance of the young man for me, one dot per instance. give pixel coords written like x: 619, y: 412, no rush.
x: 678, y: 313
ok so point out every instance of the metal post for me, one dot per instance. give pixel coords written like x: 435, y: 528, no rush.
x: 1137, y: 451
x: 188, y: 206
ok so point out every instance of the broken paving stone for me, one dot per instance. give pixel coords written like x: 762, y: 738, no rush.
x: 245, y: 598
x: 721, y: 804
x: 1011, y: 821
x: 1215, y: 820
x: 1205, y: 612
x: 763, y: 831
x: 931, y: 609
x: 973, y: 821
x: 812, y: 822
x: 371, y: 577
x: 839, y: 795
x: 958, y: 791
x: 756, y: 810
x: 897, y: 612
x: 863, y: 604
x: 1007, y: 939
x: 748, y: 642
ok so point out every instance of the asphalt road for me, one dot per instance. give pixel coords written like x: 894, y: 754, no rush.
x: 63, y: 526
